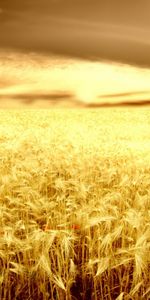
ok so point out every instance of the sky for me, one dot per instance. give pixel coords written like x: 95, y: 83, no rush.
x: 116, y: 30
x: 79, y: 40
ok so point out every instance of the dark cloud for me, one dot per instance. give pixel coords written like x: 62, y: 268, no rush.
x: 32, y: 97
x: 127, y: 94
x: 66, y: 98
x: 46, y: 100
x: 118, y: 104
x: 93, y: 29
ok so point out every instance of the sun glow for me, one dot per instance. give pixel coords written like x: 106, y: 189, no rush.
x: 87, y: 81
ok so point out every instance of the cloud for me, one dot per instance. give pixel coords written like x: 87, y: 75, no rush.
x: 100, y: 30
x: 126, y: 94
x: 29, y: 98
x: 119, y: 104
x: 61, y: 99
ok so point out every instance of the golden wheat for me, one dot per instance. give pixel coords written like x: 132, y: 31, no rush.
x: 74, y: 204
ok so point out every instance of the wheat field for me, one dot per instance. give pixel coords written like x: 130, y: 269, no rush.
x: 75, y: 204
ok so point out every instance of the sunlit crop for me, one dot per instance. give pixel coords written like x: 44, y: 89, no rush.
x: 75, y: 204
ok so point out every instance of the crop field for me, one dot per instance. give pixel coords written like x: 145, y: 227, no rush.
x: 75, y: 204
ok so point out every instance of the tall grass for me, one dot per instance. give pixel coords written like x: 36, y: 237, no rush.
x: 74, y: 204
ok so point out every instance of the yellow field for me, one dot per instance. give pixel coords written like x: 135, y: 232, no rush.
x: 75, y: 204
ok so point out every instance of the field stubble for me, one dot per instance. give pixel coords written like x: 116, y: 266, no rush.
x: 75, y: 204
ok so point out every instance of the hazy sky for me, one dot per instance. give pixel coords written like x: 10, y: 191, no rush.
x: 74, y: 51
x: 112, y: 30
